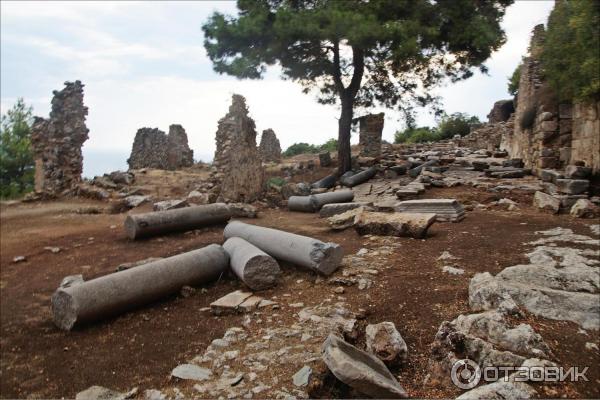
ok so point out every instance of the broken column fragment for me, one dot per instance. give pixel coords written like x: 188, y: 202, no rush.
x: 359, y: 178
x: 239, y: 168
x: 255, y: 268
x: 56, y: 142
x: 179, y: 153
x: 393, y: 224
x: 315, y: 202
x: 121, y: 291
x: 305, y: 251
x: 270, y: 149
x: 325, y: 183
x: 182, y: 219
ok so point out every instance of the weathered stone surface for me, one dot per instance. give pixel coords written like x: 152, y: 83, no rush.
x: 152, y: 148
x: 583, y: 208
x: 325, y: 159
x: 360, y: 370
x: 386, y: 343
x: 501, y: 111
x: 101, y: 393
x: 302, y: 377
x: 572, y: 186
x: 344, y: 220
x: 56, y: 142
x: 229, y: 303
x: 191, y: 372
x: 393, y: 224
x: 546, y: 202
x: 254, y: 267
x: 169, y: 205
x: 577, y: 172
x: 269, y: 149
x: 500, y: 390
x: 444, y: 209
x: 329, y: 210
x: 239, y: 168
x: 370, y: 130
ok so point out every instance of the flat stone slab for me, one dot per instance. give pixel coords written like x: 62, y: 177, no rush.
x: 170, y: 205
x: 100, y: 393
x: 191, y: 372
x: 301, y: 377
x: 394, y: 224
x: 330, y: 210
x: 229, y: 303
x: 444, y: 209
x: 360, y: 370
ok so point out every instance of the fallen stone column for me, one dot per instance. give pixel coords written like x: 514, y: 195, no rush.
x: 154, y: 223
x: 341, y: 196
x: 118, y: 292
x: 255, y: 268
x: 301, y: 203
x: 326, y: 183
x: 359, y: 178
x: 414, y: 172
x: 314, y: 202
x: 296, y: 249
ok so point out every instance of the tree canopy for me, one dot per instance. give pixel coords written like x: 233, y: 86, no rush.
x: 447, y: 127
x: 16, y: 157
x: 571, y: 51
x: 358, y: 53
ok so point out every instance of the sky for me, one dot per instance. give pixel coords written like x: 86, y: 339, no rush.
x: 143, y: 65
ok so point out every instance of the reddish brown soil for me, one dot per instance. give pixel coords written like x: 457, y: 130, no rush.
x: 141, y: 347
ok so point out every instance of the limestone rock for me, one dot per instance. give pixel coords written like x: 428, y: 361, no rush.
x: 191, y: 372
x: 102, y: 393
x: 329, y: 210
x: 393, y: 224
x: 386, y: 343
x: 444, y: 209
x: 169, y: 205
x: 583, y: 208
x: 370, y: 130
x: 500, y: 390
x: 360, y: 370
x: 229, y: 303
x: 572, y: 186
x: 344, y: 220
x: 546, y: 202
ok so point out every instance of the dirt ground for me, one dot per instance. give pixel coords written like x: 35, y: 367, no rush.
x: 140, y: 348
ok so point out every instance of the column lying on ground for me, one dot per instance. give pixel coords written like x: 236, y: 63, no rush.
x: 254, y: 267
x: 154, y: 223
x: 414, y: 172
x: 359, y: 178
x: 314, y: 202
x: 326, y: 183
x: 311, y: 253
x: 124, y: 290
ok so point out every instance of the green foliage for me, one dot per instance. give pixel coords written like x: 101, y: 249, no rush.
x: 275, y: 181
x: 456, y: 124
x: 16, y: 157
x: 514, y: 79
x: 416, y: 135
x: 528, y: 117
x: 570, y: 55
x: 305, y: 148
x: 406, y: 48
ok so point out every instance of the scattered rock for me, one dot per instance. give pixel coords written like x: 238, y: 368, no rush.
x: 19, y: 259
x: 500, y: 390
x: 302, y: 377
x: 53, y: 250
x: 360, y: 370
x: 393, y: 224
x: 191, y: 372
x: 229, y: 303
x: 453, y: 270
x: 386, y: 343
x: 583, y: 208
x: 546, y: 202
x: 169, y: 205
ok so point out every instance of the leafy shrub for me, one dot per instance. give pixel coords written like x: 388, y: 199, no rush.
x: 514, y: 79
x: 416, y: 135
x: 305, y: 148
x: 456, y: 124
x: 528, y: 117
x: 276, y: 181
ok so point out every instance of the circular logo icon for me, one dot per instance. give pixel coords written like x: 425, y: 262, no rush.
x: 465, y: 374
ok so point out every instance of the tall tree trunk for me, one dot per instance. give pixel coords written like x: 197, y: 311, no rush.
x: 344, y: 127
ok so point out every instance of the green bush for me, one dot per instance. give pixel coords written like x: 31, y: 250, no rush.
x: 16, y: 156
x: 528, y: 117
x: 276, y: 181
x: 456, y: 124
x: 570, y: 55
x: 330, y: 145
x: 514, y: 79
x: 305, y: 148
x: 416, y: 135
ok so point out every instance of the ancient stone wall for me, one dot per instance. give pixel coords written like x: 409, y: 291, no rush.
x: 487, y: 136
x: 501, y: 111
x: 370, y: 130
x: 179, y: 153
x: 239, y: 170
x: 152, y: 148
x: 585, y: 144
x: 57, y: 142
x: 270, y: 149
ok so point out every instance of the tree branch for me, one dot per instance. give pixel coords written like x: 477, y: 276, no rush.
x: 337, y: 74
x: 358, y: 61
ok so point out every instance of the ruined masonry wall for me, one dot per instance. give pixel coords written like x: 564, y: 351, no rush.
x: 239, y: 171
x: 585, y: 144
x: 270, y: 149
x: 152, y: 148
x: 370, y: 130
x: 57, y: 142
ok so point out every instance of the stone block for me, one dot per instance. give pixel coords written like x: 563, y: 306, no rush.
x: 565, y: 155
x: 546, y: 202
x: 572, y: 186
x: 549, y: 175
x: 577, y: 172
x: 565, y: 111
x: 547, y: 162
